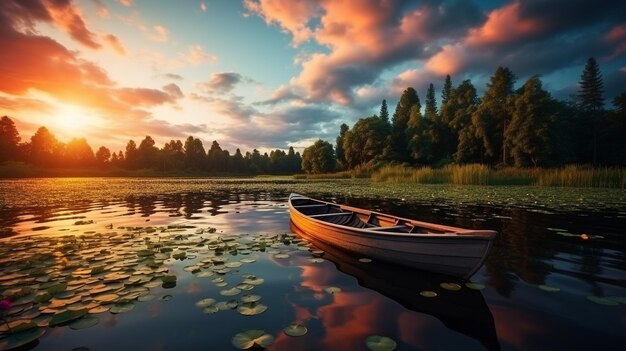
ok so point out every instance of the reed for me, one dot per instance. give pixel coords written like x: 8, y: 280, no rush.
x: 478, y: 174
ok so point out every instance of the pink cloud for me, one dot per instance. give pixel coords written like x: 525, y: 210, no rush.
x: 126, y: 3
x: 617, y: 38
x: 505, y: 25
x: 67, y: 16
x: 203, y: 7
x: 449, y: 60
x: 197, y: 55
x: 115, y: 44
x: 160, y: 33
x: 291, y: 16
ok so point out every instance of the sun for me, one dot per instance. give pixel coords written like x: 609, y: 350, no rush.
x: 72, y: 119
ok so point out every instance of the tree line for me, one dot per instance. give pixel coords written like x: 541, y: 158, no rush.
x: 523, y: 127
x: 44, y: 150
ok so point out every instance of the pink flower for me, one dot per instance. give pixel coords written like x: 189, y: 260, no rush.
x: 5, y: 304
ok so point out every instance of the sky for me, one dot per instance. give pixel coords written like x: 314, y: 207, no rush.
x: 270, y: 74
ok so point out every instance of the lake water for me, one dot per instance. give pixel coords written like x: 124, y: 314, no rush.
x: 187, y: 264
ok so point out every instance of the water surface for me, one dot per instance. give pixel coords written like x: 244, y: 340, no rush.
x: 555, y: 279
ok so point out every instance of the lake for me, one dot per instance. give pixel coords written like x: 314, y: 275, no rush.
x: 196, y: 264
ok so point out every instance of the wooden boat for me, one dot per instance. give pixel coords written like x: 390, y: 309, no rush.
x: 464, y: 311
x: 426, y: 246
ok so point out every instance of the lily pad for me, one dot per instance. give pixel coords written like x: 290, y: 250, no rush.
x: 251, y: 338
x: 16, y: 340
x: 450, y: 286
x: 475, y: 286
x: 205, y: 302
x: 380, y: 343
x: 281, y: 256
x: 122, y: 307
x: 365, y: 260
x: 254, y: 281
x: 84, y: 323
x: 210, y: 309
x: 230, y: 292
x: 428, y: 293
x: 107, y: 298
x: 602, y: 300
x: 66, y: 316
x: 549, y: 288
x: 250, y: 298
x: 251, y: 309
x: 316, y: 260
x: 295, y: 329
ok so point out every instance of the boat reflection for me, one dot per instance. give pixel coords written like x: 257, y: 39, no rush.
x: 464, y: 311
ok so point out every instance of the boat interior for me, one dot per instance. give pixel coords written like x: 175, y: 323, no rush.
x: 356, y: 218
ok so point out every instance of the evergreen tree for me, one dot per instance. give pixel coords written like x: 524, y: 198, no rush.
x: 341, y: 159
x: 420, y: 141
x: 148, y: 154
x: 398, y: 142
x: 447, y: 90
x: 9, y: 139
x: 430, y: 111
x: 493, y: 113
x: 435, y: 129
x: 173, y: 155
x: 216, y: 162
x: 456, y: 113
x: 529, y: 136
x: 130, y: 159
x: 384, y: 113
x: 319, y: 158
x: 591, y: 103
x: 239, y: 163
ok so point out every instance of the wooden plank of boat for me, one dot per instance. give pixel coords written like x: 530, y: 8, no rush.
x: 433, y: 247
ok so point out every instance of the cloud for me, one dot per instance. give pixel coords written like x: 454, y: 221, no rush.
x: 505, y: 25
x: 203, y: 7
x: 362, y: 41
x: 67, y: 16
x: 172, y: 76
x: 291, y: 16
x: 222, y: 82
x: 197, y: 56
x: 173, y: 90
x: 115, y: 44
x: 127, y: 3
x: 160, y: 33
x: 284, y: 93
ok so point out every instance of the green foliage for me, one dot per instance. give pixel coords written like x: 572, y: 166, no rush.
x: 341, y: 157
x: 319, y: 158
x: 398, y: 141
x: 591, y: 87
x: 529, y: 136
x: 365, y: 142
x: 384, y: 113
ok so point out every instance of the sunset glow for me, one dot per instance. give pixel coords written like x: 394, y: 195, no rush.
x: 271, y: 73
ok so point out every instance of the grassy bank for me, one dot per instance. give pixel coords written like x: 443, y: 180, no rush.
x: 476, y: 174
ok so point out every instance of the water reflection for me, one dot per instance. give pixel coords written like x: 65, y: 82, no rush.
x: 464, y: 311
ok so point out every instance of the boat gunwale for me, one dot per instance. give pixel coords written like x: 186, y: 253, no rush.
x: 450, y: 232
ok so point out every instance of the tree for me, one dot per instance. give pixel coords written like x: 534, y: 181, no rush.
x: 493, y: 113
x: 530, y: 134
x: 45, y: 150
x: 420, y: 140
x: 446, y: 91
x: 195, y: 156
x: 103, y: 155
x: 384, y: 113
x: 397, y: 145
x: 341, y: 157
x: 173, y: 155
x: 457, y: 114
x: 238, y: 163
x: 131, y: 155
x: 217, y: 163
x: 591, y: 103
x: 365, y: 142
x: 294, y: 161
x: 147, y: 153
x: 9, y: 139
x: 79, y: 154
x: 319, y: 158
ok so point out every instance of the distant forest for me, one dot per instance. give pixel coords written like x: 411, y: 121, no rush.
x: 45, y: 151
x: 525, y: 127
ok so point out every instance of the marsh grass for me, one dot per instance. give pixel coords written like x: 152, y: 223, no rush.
x: 477, y: 174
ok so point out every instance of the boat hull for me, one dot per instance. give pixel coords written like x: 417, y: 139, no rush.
x: 458, y: 256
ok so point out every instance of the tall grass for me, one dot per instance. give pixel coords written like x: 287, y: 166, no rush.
x: 477, y: 174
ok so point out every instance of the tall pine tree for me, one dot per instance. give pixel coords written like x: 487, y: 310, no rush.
x: 591, y: 104
x: 397, y: 144
x: 384, y: 113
